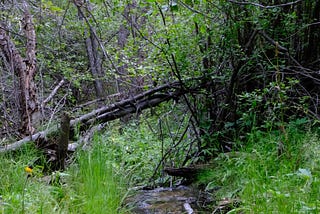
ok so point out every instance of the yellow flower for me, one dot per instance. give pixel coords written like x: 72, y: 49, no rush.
x: 28, y: 169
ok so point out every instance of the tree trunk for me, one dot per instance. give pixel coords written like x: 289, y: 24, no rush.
x: 91, y: 43
x: 95, y: 63
x: 63, y: 142
x: 25, y: 70
x: 312, y: 49
x: 123, y: 36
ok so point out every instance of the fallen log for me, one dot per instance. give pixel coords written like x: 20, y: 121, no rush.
x: 16, y: 145
x: 190, y: 172
x: 184, y: 172
x: 133, y: 107
x: 130, y: 102
x: 136, y: 104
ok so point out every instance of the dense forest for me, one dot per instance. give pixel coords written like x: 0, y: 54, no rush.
x: 169, y: 92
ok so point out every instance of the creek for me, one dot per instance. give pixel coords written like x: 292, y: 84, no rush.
x: 165, y: 200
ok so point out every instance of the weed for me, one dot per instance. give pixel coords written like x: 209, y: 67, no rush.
x: 90, y: 185
x: 266, y: 183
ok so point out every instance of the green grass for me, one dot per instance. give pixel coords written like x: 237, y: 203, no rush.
x: 100, y: 186
x: 97, y: 180
x: 266, y: 183
x: 137, y: 151
x: 89, y: 185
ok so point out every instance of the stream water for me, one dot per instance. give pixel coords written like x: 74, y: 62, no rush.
x: 165, y: 200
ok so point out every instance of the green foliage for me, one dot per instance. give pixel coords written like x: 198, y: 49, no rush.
x: 266, y: 107
x: 90, y: 185
x: 250, y: 85
x: 96, y: 182
x: 20, y: 193
x: 265, y: 182
x: 97, y: 179
x: 12, y: 169
x: 48, y: 5
x: 136, y: 150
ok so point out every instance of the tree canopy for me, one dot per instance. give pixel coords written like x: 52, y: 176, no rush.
x: 231, y: 65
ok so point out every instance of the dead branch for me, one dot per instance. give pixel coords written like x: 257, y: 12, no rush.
x: 123, y: 104
x: 263, y: 6
x: 16, y: 145
x: 279, y: 47
x: 53, y: 92
x: 136, y: 104
x: 102, y: 99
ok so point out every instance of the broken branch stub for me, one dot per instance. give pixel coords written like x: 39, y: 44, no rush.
x: 63, y: 141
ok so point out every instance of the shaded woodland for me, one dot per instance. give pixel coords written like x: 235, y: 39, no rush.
x: 226, y: 66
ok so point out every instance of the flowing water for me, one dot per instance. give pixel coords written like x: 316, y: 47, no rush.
x: 165, y: 200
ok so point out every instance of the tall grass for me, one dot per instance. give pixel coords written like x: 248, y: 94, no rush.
x: 100, y: 189
x: 96, y: 181
x: 267, y: 183
x: 16, y: 189
x: 89, y: 185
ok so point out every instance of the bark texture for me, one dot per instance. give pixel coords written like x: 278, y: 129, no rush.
x: 92, y: 47
x: 63, y: 141
x: 25, y: 70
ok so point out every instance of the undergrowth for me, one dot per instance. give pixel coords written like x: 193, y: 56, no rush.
x: 89, y: 185
x: 96, y: 181
x: 265, y: 182
x: 98, y: 178
x: 136, y: 150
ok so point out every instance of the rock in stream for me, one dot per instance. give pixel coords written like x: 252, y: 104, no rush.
x: 164, y: 200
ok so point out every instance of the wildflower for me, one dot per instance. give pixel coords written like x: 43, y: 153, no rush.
x: 28, y: 169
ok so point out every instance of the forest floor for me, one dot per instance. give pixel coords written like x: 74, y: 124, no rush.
x: 254, y: 179
x: 257, y: 179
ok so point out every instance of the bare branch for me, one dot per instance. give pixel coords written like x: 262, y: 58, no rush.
x: 279, y: 47
x: 91, y: 102
x: 196, y: 11
x: 53, y: 92
x: 263, y: 6
x: 18, y: 144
